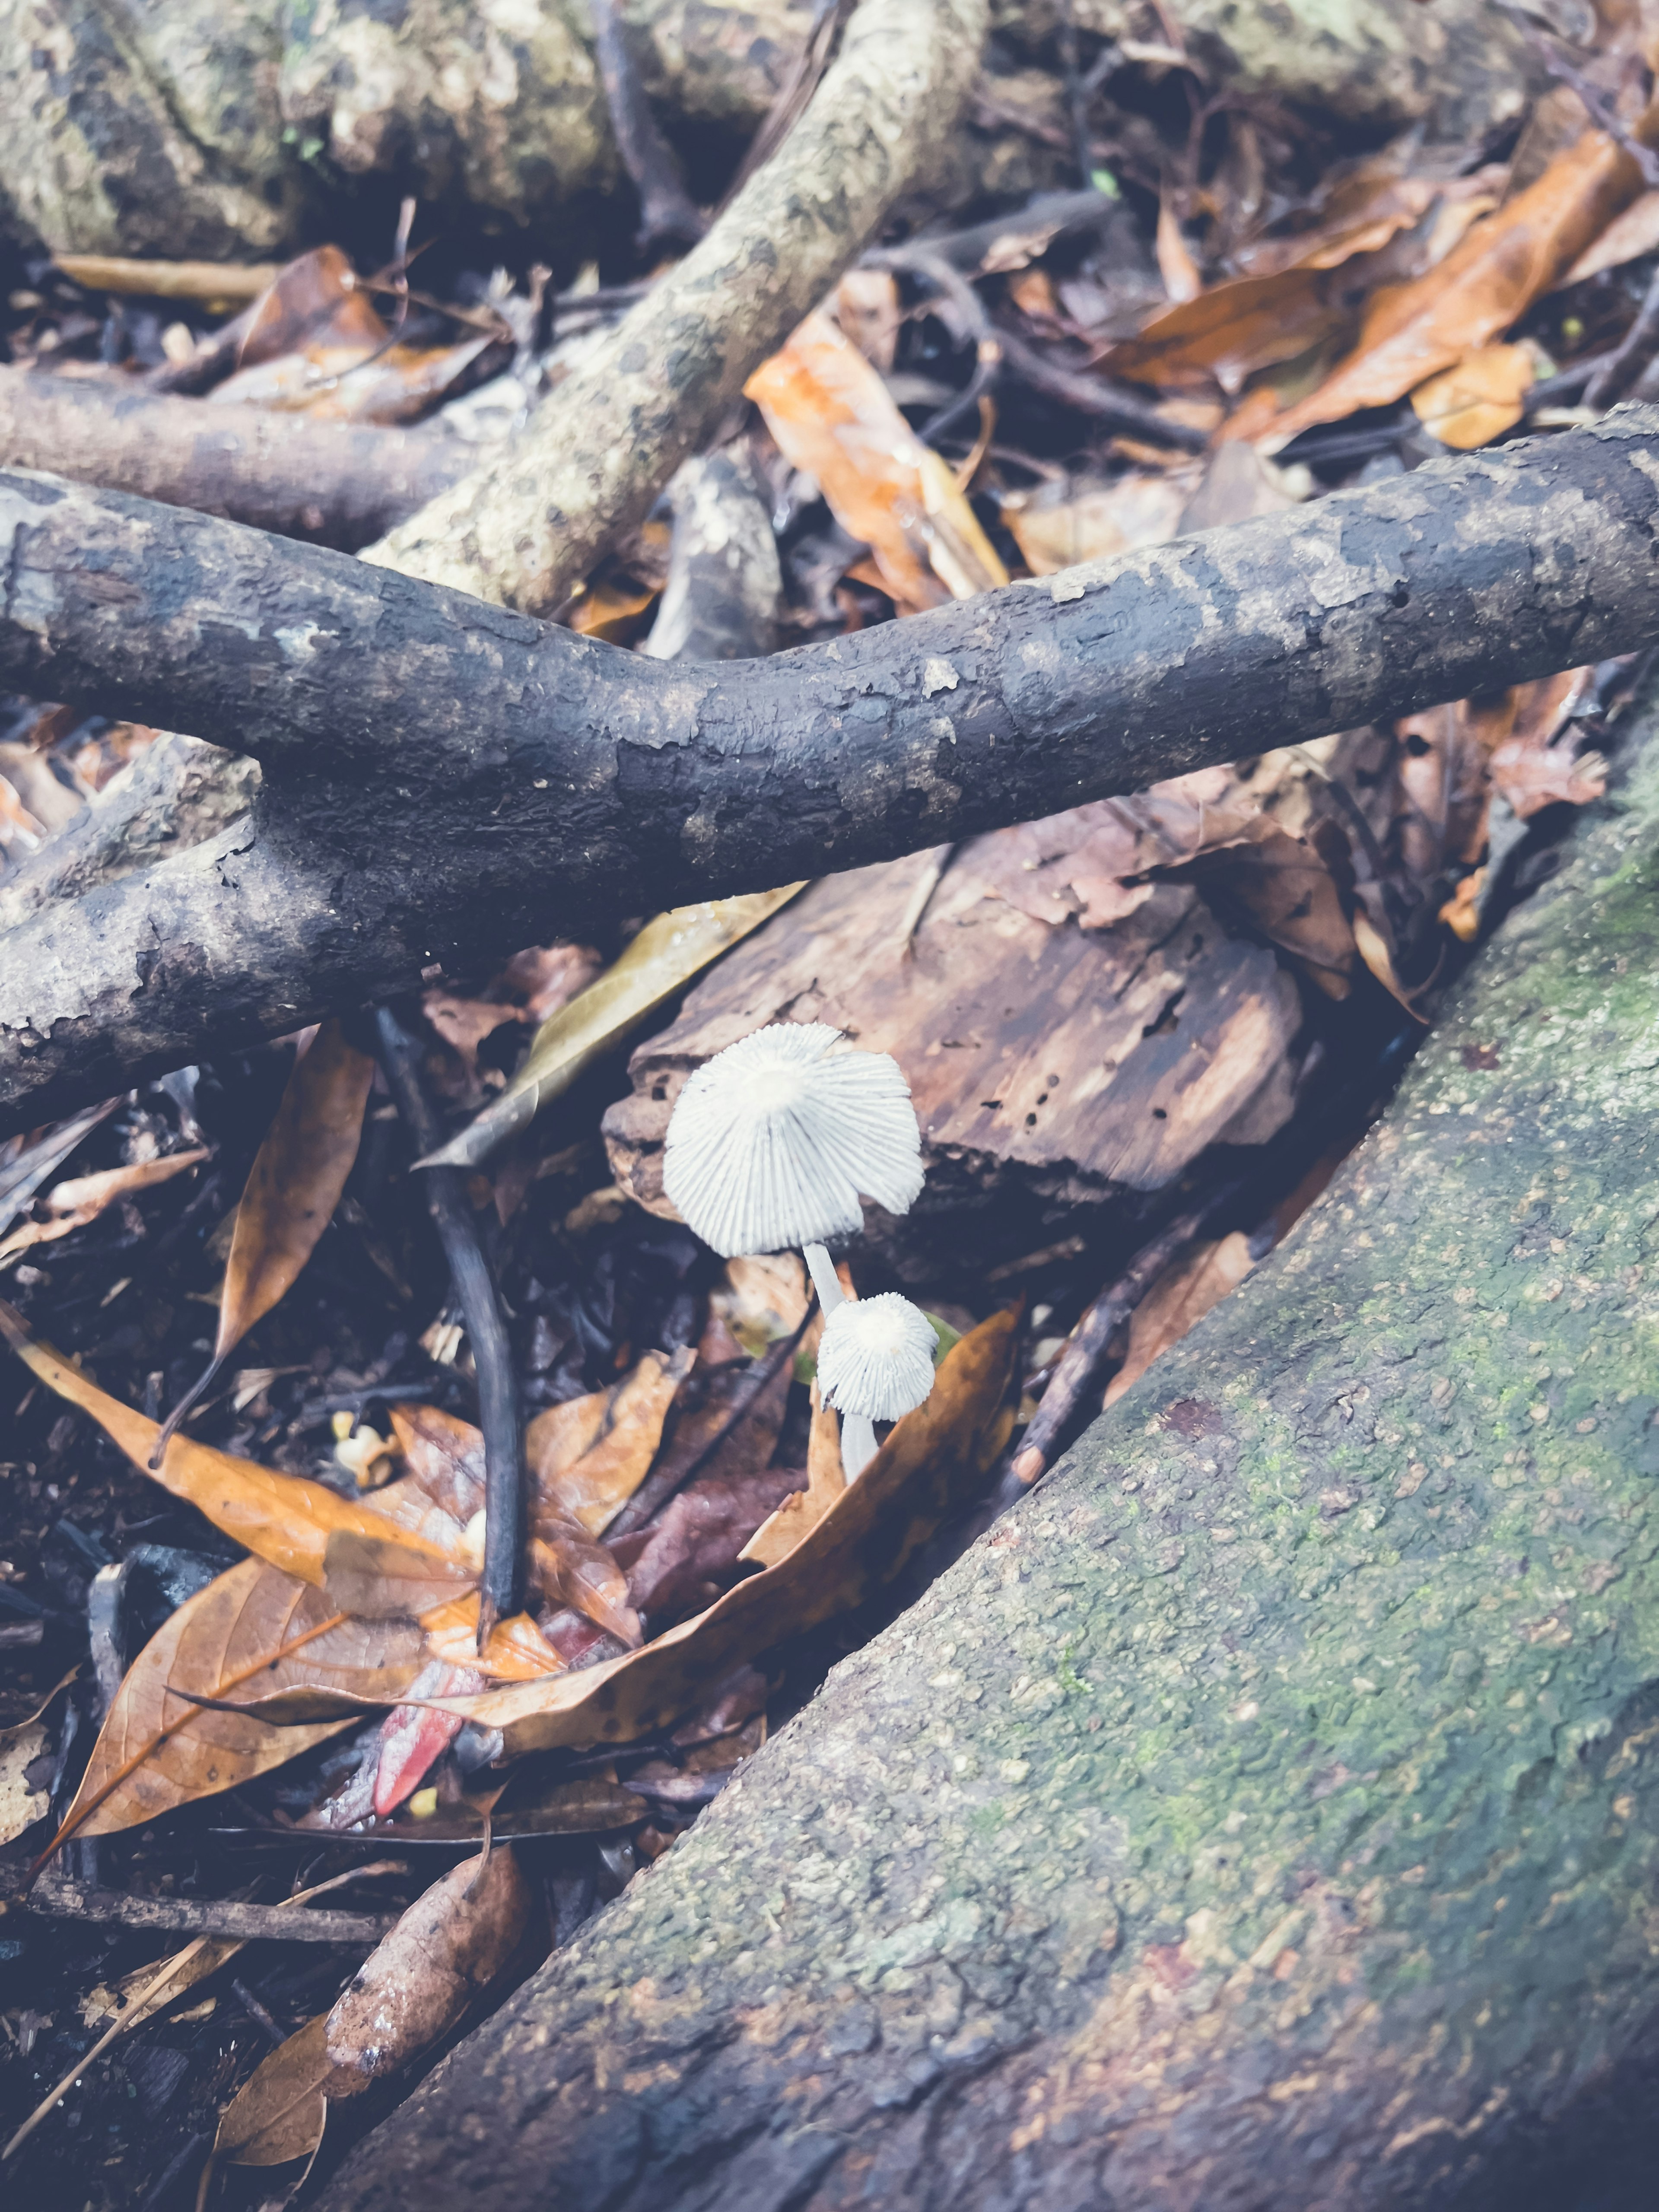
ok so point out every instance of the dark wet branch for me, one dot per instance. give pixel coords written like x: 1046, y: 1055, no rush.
x: 446, y: 780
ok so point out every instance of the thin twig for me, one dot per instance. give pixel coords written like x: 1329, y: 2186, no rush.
x: 1616, y: 374
x: 668, y: 215
x: 1092, y: 395
x: 1085, y: 1354
x: 206, y: 1916
x: 655, y: 1493
x: 501, y: 1416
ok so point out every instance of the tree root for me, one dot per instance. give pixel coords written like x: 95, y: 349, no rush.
x: 1264, y: 1814
x: 445, y: 781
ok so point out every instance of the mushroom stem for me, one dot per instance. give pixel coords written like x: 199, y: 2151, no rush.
x: 857, y: 1445
x: 821, y: 1268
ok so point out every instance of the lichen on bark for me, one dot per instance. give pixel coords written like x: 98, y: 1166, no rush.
x: 1267, y: 1812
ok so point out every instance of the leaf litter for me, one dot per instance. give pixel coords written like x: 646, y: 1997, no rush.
x: 694, y: 1535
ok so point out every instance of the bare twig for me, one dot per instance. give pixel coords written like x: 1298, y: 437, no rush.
x: 1616, y: 374
x: 1092, y: 395
x: 501, y: 1417
x: 655, y: 1493
x: 207, y: 1916
x: 667, y: 214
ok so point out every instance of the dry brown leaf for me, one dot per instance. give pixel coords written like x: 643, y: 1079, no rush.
x: 1181, y: 1297
x: 802, y: 1510
x: 1411, y: 331
x: 588, y: 1456
x: 1533, y: 777
x: 384, y: 1577
x: 253, y: 1629
x: 20, y: 1804
x: 317, y: 346
x: 297, y: 1180
x: 283, y: 1519
x: 81, y: 1199
x: 570, y: 1567
x: 833, y: 416
x: 1631, y: 236
x: 411, y: 1990
x: 517, y: 1650
x: 935, y: 1460
x: 1484, y: 396
x: 1066, y: 523
x: 1371, y: 205
x: 682, y: 1561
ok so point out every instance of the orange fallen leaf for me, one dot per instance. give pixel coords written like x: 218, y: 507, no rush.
x: 802, y: 1510
x: 295, y: 1181
x: 1505, y: 262
x: 933, y: 1462
x: 253, y: 1629
x: 1176, y: 264
x: 1484, y: 396
x: 834, y: 418
x: 588, y: 1456
x: 282, y: 1519
x: 1533, y: 777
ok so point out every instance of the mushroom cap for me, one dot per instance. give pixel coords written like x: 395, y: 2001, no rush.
x: 771, y: 1141
x: 877, y: 1357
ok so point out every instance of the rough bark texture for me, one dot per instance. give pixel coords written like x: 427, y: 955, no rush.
x: 525, y: 529
x: 176, y: 793
x: 1458, y: 66
x: 335, y: 483
x: 217, y: 126
x: 1266, y: 1815
x: 445, y: 780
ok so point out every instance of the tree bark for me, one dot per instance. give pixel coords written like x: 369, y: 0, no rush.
x: 525, y: 527
x: 333, y: 484
x: 445, y: 781
x: 1265, y: 1813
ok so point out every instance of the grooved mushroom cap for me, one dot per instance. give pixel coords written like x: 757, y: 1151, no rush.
x: 877, y: 1357
x: 771, y: 1140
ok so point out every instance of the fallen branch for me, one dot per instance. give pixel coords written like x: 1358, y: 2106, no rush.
x: 336, y: 483
x: 445, y: 781
x: 528, y: 528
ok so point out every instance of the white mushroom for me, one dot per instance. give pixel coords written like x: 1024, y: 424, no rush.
x: 771, y: 1140
x: 875, y: 1363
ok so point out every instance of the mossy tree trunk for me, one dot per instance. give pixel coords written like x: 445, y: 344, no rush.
x: 1267, y: 1813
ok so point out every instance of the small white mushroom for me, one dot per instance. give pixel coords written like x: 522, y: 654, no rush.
x: 773, y: 1139
x: 875, y: 1363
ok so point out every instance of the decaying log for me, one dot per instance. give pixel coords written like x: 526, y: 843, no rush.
x: 445, y: 781
x: 1051, y: 1067
x: 334, y: 484
x: 1265, y: 1813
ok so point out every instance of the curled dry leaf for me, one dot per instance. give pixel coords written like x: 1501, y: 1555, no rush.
x: 660, y: 961
x: 416, y: 1735
x: 1177, y: 1301
x: 295, y: 1182
x: 935, y: 1460
x: 588, y: 1456
x: 570, y: 1567
x: 254, y: 1629
x: 833, y: 416
x: 81, y: 1199
x: 1412, y: 331
x: 799, y: 1513
x: 411, y: 1990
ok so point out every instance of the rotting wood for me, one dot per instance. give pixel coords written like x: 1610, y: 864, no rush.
x: 1265, y: 1813
x: 1051, y: 1067
x: 444, y: 782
